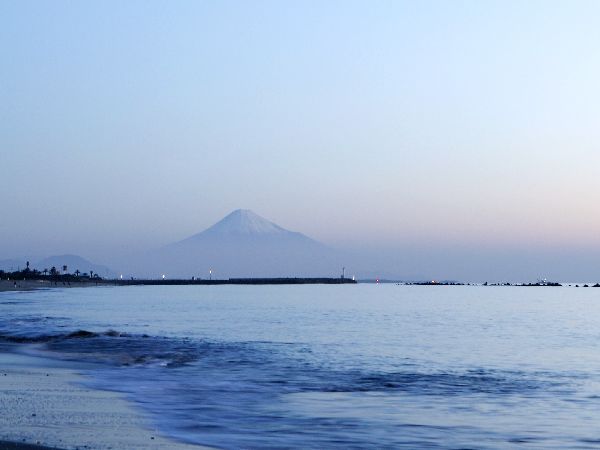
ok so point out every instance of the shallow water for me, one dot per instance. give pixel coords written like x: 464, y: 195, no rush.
x: 350, y: 366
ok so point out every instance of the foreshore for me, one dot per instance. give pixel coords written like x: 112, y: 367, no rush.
x: 30, y: 285
x: 44, y: 403
x: 8, y: 445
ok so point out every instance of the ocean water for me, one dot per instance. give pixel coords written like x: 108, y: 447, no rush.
x: 318, y: 366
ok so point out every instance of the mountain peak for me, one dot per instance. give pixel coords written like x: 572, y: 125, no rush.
x: 244, y: 221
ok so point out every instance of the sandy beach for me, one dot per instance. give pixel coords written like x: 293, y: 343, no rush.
x: 45, y: 404
x: 23, y: 285
x: 29, y: 285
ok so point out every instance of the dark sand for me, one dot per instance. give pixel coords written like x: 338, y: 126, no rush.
x: 5, y: 445
x: 29, y: 285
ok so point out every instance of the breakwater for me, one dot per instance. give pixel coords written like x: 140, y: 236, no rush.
x: 257, y: 281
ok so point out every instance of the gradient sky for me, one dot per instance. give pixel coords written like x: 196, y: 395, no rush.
x: 462, y: 135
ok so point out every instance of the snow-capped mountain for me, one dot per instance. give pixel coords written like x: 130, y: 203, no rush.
x: 244, y: 225
x: 242, y: 244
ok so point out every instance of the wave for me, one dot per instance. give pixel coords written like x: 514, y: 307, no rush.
x: 233, y: 394
x: 111, y: 346
x: 280, y: 361
x: 444, y: 383
x: 79, y: 334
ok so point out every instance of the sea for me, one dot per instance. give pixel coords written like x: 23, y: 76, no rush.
x: 332, y: 366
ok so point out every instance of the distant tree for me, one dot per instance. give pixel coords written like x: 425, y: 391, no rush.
x: 77, y: 272
x: 53, y: 271
x: 91, y: 273
x: 65, y: 269
x: 45, y: 271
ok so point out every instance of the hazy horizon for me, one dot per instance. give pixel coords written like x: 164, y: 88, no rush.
x: 450, y: 140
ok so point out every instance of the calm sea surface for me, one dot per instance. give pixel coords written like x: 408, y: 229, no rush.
x: 353, y: 366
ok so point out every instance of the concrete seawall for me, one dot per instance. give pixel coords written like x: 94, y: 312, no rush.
x: 231, y: 281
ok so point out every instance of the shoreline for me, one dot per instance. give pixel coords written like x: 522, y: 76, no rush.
x: 10, y: 445
x: 32, y: 285
x: 45, y: 405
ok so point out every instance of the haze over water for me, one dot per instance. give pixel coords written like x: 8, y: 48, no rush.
x: 333, y: 366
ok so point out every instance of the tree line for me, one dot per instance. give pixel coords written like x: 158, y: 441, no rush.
x: 53, y: 274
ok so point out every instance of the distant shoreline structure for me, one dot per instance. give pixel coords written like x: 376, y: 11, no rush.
x: 56, y: 277
x: 185, y: 282
x: 35, y: 279
x: 9, y: 283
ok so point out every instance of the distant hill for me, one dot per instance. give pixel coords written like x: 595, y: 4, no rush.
x: 10, y: 265
x: 73, y: 263
x: 242, y: 244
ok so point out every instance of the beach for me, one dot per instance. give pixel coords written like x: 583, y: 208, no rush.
x: 44, y: 404
x: 30, y: 285
x: 23, y: 285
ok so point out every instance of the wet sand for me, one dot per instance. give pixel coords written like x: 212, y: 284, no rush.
x: 44, y: 404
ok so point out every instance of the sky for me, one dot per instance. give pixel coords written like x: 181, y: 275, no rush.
x: 458, y: 139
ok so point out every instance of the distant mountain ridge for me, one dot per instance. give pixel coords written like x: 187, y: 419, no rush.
x: 73, y: 263
x: 12, y: 264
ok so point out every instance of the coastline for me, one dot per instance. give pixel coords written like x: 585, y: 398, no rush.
x: 30, y: 285
x: 9, y: 445
x: 33, y: 284
x: 45, y: 405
